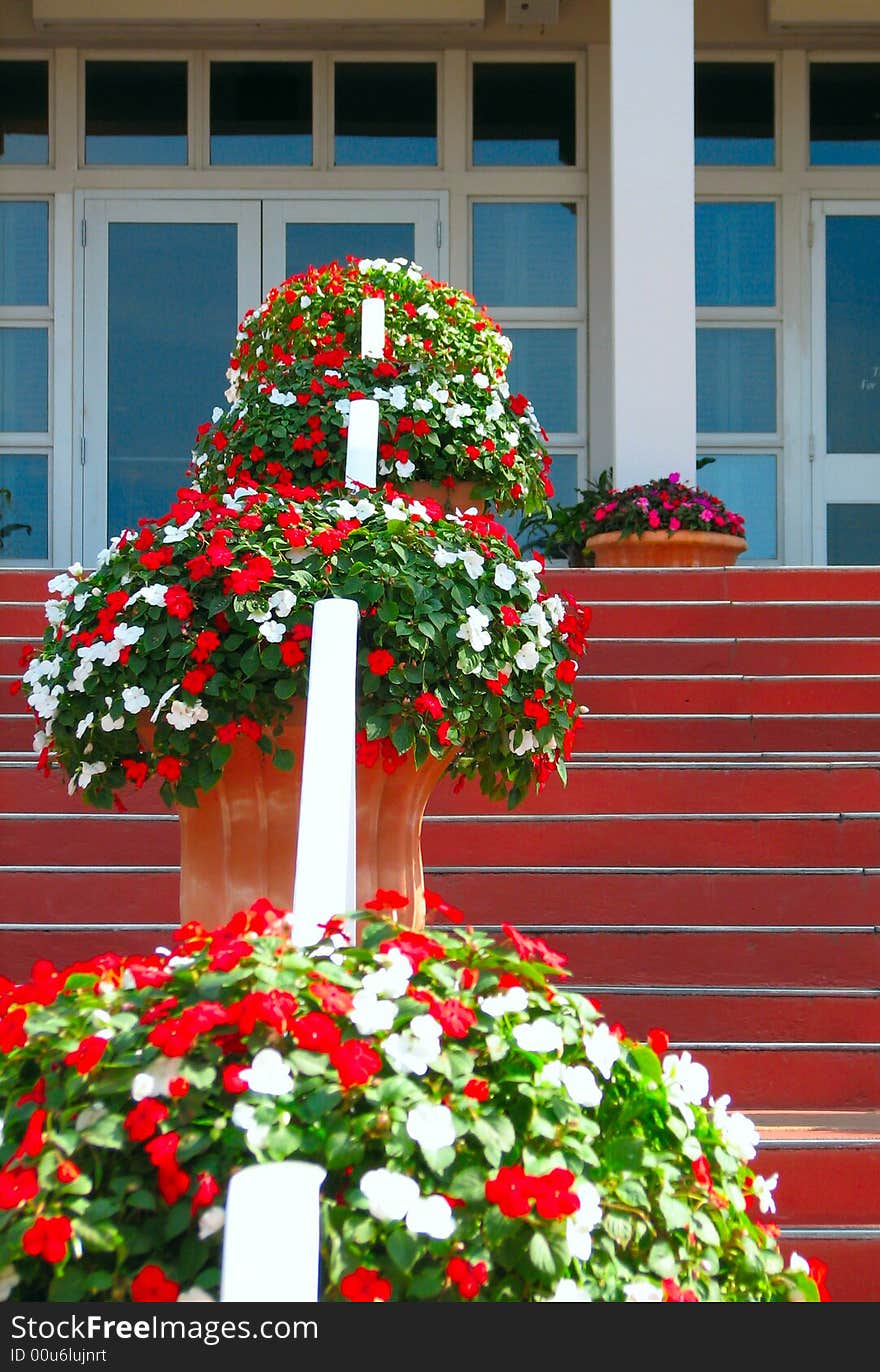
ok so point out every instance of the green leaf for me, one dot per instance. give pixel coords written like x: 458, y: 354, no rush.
x: 676, y: 1214
x: 69, y: 1285
x: 286, y: 686
x: 541, y: 1255
x: 619, y: 1228
x: 426, y: 1285
x: 704, y: 1228
x: 624, y: 1155
x: 661, y: 1260
x: 284, y: 758
x: 177, y: 1220
x: 402, y: 1248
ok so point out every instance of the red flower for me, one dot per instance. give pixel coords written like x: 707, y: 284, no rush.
x: 135, y: 771
x: 553, y: 1194
x: 67, y: 1171
x: 32, y: 1144
x: 658, y: 1039
x: 477, y: 1089
x: 178, y: 602
x: 467, y: 1276
x: 442, y: 907
x: 673, y: 1292
x: 195, y: 679
x: 818, y: 1272
x: 428, y: 704
x: 365, y: 1284
x: 227, y: 954
x: 567, y: 670
x: 316, y: 1032
x: 17, y: 1185
x: 534, y: 949
x: 233, y: 1082
x: 291, y: 653
x: 700, y: 1169
x: 207, y: 642
x: 87, y: 1055
x: 142, y: 1122
x: 416, y: 947
x: 151, y: 1284
x: 334, y: 999
x: 356, y: 1062
x: 380, y: 661
x: 169, y: 768
x: 274, y: 1008
x: 511, y: 1191
x: 227, y: 732
x: 12, y: 1033
x: 48, y: 1238
x: 255, y: 570
x: 206, y: 1191
x: 386, y: 900
x: 456, y: 1018
x: 178, y: 1087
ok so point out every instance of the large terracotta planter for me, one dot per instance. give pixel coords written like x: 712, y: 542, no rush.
x: 656, y: 548
x: 450, y: 498
x: 239, y: 842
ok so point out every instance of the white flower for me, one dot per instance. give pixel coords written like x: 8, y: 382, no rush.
x: 55, y: 610
x: 539, y: 1036
x: 554, y: 607
x: 392, y: 976
x: 475, y: 629
x: 643, y: 1292
x: 193, y: 1294
x: 175, y: 534
x: 431, y: 1215
x: 92, y: 1113
x: 135, y: 699
x: 369, y: 1015
x: 268, y: 1074
x: 527, y: 657
x: 282, y: 602
x: 505, y: 577
x: 527, y: 744
x: 245, y: 1117
x: 582, y: 1086
x: 579, y: 1226
x: 405, y: 469
x: 389, y: 1194
x: 154, y: 1081
x: 211, y: 1221
x: 272, y: 631
x: 444, y: 557
x: 85, y: 723
x: 569, y: 1291
x: 9, y: 1279
x: 87, y: 771
x: 182, y: 716
x: 688, y: 1080
x: 65, y: 585
x: 762, y: 1190
x: 473, y: 564
x: 797, y: 1264
x: 741, y: 1138
x: 81, y: 674
x: 601, y: 1048
x: 125, y: 635
x: 397, y: 396
x: 108, y: 723
x: 481, y: 380
x: 277, y: 397
x: 415, y: 1049
x: 430, y: 1126
x: 509, y: 1002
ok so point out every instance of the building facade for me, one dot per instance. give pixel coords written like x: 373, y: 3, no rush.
x: 674, y: 211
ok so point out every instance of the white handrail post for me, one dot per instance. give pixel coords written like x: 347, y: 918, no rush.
x: 272, y: 1233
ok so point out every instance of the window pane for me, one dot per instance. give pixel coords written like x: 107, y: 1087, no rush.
x: 261, y: 113
x: 524, y: 114
x: 24, y: 112
x: 736, y: 381
x: 315, y: 244
x: 853, y: 535
x: 525, y: 253
x: 746, y: 482
x: 543, y: 366
x: 733, y: 114
x: 24, y: 506
x: 185, y: 273
x: 386, y: 113
x: 24, y: 252
x: 736, y: 254
x: 852, y: 298
x: 844, y: 113
x: 24, y: 380
x: 136, y: 113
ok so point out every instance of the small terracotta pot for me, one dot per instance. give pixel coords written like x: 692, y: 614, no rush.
x: 449, y: 498
x: 239, y: 842
x: 656, y: 548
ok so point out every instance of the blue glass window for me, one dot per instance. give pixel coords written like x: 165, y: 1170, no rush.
x: 24, y: 113
x: 853, y: 535
x: 24, y: 252
x: 733, y: 114
x: 746, y: 482
x: 844, y: 113
x: 525, y: 253
x: 524, y: 114
x: 136, y: 113
x: 543, y: 366
x: 736, y: 253
x: 386, y: 114
x: 24, y: 506
x: 261, y: 114
x: 313, y: 244
x: 24, y: 380
x: 852, y: 302
x: 736, y: 380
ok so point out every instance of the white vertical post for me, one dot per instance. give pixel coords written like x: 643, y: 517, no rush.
x: 652, y: 207
x: 373, y: 326
x: 325, y: 852
x: 363, y: 442
x: 272, y: 1233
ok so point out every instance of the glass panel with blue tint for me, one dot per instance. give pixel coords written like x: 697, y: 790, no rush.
x: 24, y: 252
x: 733, y: 114
x: 844, y: 114
x: 24, y: 380
x: 315, y: 243
x: 261, y: 114
x: 736, y: 381
x: 24, y: 113
x: 736, y: 253
x: 543, y: 366
x: 853, y: 535
x: 136, y: 113
x: 172, y: 309
x: 524, y: 114
x: 24, y: 506
x: 525, y: 253
x: 852, y: 304
x: 746, y: 482
x: 386, y: 114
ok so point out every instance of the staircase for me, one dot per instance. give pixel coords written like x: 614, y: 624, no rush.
x: 713, y: 867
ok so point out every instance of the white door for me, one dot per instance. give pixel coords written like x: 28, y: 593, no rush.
x: 302, y: 231
x: 166, y: 281
x: 846, y: 382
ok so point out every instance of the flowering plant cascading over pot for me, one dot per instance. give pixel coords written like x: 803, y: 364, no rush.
x: 486, y: 1135
x: 665, y: 504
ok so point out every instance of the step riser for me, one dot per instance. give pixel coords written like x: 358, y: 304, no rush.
x: 853, y: 1264
x: 716, y: 736
x: 847, y: 1193
x: 711, y: 1017
x: 750, y: 657
x: 724, y: 620
x: 594, y: 586
x: 772, y: 1079
x: 780, y: 696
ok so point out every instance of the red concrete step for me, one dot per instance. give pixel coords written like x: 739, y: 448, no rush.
x: 24, y: 619
x: 698, y: 1014
x: 85, y: 896
x: 596, y: 585
x: 19, y: 949
x: 717, y: 735
x: 10, y: 653
x: 800, y: 1078
x: 726, y: 619
x: 771, y: 695
x: 848, y: 1195
x: 628, y: 895
x: 24, y: 789
x: 853, y: 1260
x: 749, y: 656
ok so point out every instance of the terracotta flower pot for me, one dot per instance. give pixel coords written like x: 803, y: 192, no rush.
x: 450, y: 498
x: 239, y: 842
x: 656, y: 548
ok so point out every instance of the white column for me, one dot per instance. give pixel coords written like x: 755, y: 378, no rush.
x: 652, y: 208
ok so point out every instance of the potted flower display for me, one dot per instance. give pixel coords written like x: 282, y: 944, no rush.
x: 486, y: 1135
x: 664, y: 523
